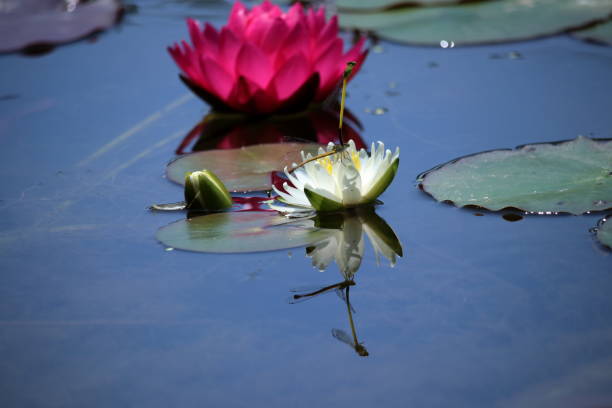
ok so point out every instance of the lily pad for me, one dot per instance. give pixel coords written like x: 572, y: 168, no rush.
x: 245, y: 169
x: 29, y: 23
x: 479, y: 22
x: 566, y: 177
x: 238, y: 232
x: 603, y: 232
x: 600, y: 34
x: 373, y: 5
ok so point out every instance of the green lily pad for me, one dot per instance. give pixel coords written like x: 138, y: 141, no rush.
x: 479, y: 22
x: 566, y: 177
x: 601, y: 33
x: 238, y: 232
x: 603, y: 232
x: 372, y: 5
x: 244, y: 169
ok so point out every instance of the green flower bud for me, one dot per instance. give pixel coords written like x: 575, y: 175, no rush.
x: 204, y: 191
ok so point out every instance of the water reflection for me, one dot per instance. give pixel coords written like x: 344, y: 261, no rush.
x: 230, y: 131
x: 345, y: 245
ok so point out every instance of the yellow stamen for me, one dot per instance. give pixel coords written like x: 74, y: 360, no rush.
x: 356, y: 160
x: 326, y: 163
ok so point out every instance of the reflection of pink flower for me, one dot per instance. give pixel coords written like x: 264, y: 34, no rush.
x: 219, y: 131
x: 264, y: 60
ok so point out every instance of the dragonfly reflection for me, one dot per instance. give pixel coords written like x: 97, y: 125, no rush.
x: 342, y: 290
x: 306, y: 293
x: 345, y: 338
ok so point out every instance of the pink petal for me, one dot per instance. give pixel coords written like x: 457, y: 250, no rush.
x: 187, y: 60
x: 211, y: 40
x: 325, y: 46
x: 295, y: 14
x: 266, y: 5
x: 291, y: 76
x: 229, y: 46
x: 257, y: 28
x: 220, y: 81
x: 237, y: 18
x: 254, y: 65
x: 316, y: 20
x: 177, y: 56
x: 195, y: 32
x: 354, y: 52
x: 296, y: 42
x: 330, y: 31
x: 330, y: 64
x: 330, y: 67
x: 180, y: 60
x: 276, y: 33
x: 359, y: 60
x: 320, y: 16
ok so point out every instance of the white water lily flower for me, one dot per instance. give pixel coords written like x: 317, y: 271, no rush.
x: 345, y: 179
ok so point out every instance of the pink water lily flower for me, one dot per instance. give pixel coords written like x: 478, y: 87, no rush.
x: 264, y: 60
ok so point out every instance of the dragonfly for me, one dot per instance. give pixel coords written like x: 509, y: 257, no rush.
x: 335, y: 150
x: 341, y: 147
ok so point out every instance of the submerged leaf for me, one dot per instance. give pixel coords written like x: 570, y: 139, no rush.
x: 244, y: 169
x: 479, y: 22
x: 567, y: 177
x: 238, y: 232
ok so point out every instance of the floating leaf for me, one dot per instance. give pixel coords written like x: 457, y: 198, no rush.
x: 29, y: 23
x: 601, y: 33
x: 244, y: 169
x: 603, y: 232
x: 237, y: 232
x: 570, y: 177
x: 373, y: 5
x: 479, y: 22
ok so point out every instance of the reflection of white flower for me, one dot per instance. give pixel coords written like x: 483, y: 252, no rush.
x: 340, y: 180
x: 345, y: 245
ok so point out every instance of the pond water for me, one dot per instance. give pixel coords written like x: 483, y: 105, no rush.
x: 479, y: 312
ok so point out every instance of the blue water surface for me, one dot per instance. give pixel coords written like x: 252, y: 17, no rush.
x: 479, y: 312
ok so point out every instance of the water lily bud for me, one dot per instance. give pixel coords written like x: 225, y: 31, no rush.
x: 204, y: 191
